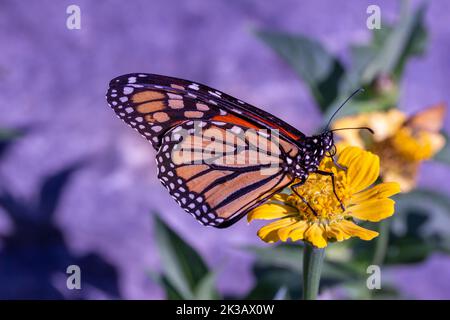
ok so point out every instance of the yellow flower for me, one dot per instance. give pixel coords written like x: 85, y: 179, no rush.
x: 401, y: 142
x: 328, y: 222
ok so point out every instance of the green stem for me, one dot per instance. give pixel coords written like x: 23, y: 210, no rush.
x: 312, y: 267
x: 382, y: 242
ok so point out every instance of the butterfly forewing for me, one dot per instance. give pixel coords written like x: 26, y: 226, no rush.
x: 153, y: 104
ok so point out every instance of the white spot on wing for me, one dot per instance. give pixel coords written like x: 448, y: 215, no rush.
x: 156, y: 128
x: 174, y: 96
x: 194, y: 86
x: 127, y: 90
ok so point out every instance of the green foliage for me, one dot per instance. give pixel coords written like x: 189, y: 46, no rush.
x: 392, y: 46
x: 376, y: 66
x: 276, y: 267
x: 280, y: 266
x: 185, y: 275
x: 420, y: 226
x: 318, y: 68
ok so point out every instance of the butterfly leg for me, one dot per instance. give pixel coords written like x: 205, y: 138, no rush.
x: 331, y: 174
x: 301, y: 197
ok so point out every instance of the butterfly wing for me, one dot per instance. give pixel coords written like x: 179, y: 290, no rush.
x: 217, y: 193
x: 153, y: 104
x: 431, y: 119
x: 219, y: 171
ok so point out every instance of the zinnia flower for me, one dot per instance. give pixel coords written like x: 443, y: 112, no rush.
x: 402, y: 142
x: 362, y: 201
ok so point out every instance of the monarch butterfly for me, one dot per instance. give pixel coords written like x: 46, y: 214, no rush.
x: 216, y: 192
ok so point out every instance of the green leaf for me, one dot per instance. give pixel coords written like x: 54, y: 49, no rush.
x: 417, y: 39
x: 436, y: 203
x: 383, y: 58
x: 206, y: 288
x: 182, y: 265
x: 406, y: 38
x: 419, y: 226
x: 270, y: 279
x: 282, y: 294
x: 289, y: 257
x: 170, y: 290
x: 318, y: 68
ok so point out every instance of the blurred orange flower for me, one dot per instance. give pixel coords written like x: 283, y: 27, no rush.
x: 402, y: 142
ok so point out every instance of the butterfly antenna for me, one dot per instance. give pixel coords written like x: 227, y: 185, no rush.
x: 340, y: 107
x: 355, y: 128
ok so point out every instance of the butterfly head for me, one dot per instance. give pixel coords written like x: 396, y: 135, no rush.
x: 327, y: 143
x: 322, y: 145
x: 314, y: 149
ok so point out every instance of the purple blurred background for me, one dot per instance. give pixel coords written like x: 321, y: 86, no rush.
x: 54, y: 80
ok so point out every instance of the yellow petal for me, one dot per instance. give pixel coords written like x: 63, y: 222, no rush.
x: 363, y: 171
x: 334, y: 231
x: 269, y: 233
x: 299, y: 232
x: 280, y: 197
x: 354, y: 230
x: 271, y: 237
x: 347, y: 155
x: 270, y: 211
x: 373, y: 210
x: 284, y: 232
x: 316, y: 235
x: 380, y: 191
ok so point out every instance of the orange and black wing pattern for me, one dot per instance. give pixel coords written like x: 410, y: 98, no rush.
x: 218, y: 172
x: 216, y: 155
x: 152, y: 104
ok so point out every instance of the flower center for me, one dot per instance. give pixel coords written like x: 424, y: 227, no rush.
x: 318, y: 192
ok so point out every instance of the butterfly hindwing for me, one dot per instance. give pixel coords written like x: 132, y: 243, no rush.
x: 218, y: 172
